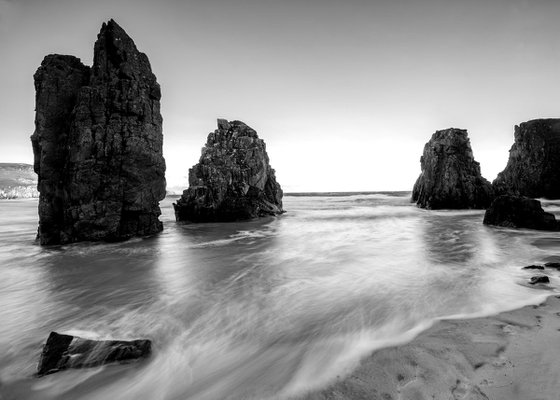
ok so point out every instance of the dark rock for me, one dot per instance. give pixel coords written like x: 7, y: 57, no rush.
x: 553, y: 265
x: 98, y: 144
x: 539, y: 279
x: 450, y: 175
x: 533, y: 267
x: 57, y: 84
x: 232, y: 180
x: 533, y: 168
x: 519, y: 212
x: 66, y: 351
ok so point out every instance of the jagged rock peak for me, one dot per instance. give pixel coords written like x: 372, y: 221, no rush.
x: 116, y: 56
x: 98, y: 144
x: 233, y: 179
x: 533, y: 168
x: 450, y: 176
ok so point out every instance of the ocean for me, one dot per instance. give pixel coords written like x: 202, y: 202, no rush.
x: 265, y: 309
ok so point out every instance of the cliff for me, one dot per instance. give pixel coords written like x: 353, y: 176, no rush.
x: 450, y: 176
x: 533, y: 168
x: 17, y: 181
x: 233, y: 179
x: 98, y: 144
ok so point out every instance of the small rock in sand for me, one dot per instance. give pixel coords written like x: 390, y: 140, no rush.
x: 66, y: 351
x: 539, y: 279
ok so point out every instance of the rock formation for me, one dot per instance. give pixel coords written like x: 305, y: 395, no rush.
x: 539, y: 279
x: 519, y: 212
x: 233, y: 179
x: 533, y: 168
x: 98, y: 144
x: 61, y: 352
x: 450, y: 176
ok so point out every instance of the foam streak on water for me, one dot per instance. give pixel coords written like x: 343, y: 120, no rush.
x: 254, y: 310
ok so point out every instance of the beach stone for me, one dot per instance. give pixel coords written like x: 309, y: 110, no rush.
x: 533, y: 267
x: 554, y: 265
x: 233, y: 179
x: 450, y: 177
x: 65, y: 351
x: 533, y: 168
x: 98, y: 144
x: 519, y: 212
x: 539, y: 279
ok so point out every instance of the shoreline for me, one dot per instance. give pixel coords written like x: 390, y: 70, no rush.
x: 507, y: 356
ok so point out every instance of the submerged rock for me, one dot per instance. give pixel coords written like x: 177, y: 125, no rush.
x: 66, y: 351
x: 533, y: 168
x: 98, y: 144
x: 233, y: 179
x: 519, y: 212
x: 450, y: 175
x: 553, y: 265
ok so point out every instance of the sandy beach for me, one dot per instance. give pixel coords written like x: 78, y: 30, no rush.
x: 512, y: 355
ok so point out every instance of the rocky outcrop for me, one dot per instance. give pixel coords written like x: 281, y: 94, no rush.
x: 17, y: 181
x: 98, y: 144
x: 233, y: 179
x: 450, y: 176
x: 61, y: 352
x: 519, y: 212
x: 533, y: 168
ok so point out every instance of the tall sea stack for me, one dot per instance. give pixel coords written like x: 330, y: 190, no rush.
x: 233, y: 179
x: 98, y: 144
x: 533, y: 168
x: 450, y: 175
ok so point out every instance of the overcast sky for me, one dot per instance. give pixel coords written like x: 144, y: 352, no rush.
x: 344, y: 93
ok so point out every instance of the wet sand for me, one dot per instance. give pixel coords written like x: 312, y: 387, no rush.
x: 513, y: 355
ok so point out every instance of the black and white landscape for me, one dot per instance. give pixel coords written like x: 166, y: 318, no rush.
x: 279, y: 200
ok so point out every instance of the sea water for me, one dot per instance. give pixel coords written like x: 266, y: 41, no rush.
x: 265, y: 309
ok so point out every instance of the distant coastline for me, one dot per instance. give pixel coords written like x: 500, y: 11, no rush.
x: 17, y: 181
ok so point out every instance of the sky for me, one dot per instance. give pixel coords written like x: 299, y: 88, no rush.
x: 344, y: 93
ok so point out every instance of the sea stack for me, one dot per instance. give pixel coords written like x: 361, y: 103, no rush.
x: 233, y: 179
x: 450, y: 177
x: 533, y: 168
x: 98, y: 144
